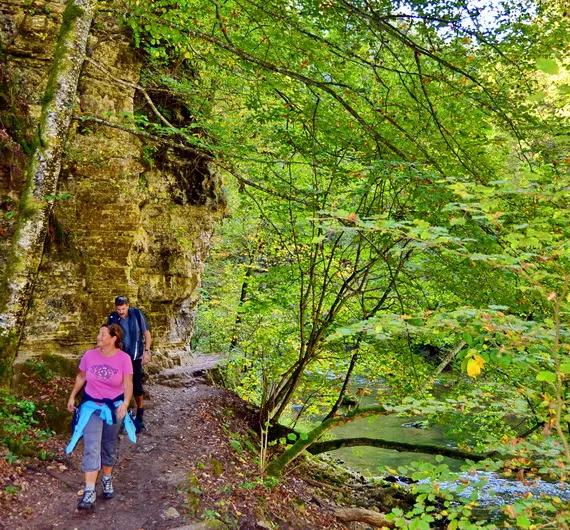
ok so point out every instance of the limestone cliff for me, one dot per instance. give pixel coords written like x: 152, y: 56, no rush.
x: 127, y: 219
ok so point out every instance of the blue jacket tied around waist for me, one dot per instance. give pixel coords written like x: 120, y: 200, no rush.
x: 106, y: 414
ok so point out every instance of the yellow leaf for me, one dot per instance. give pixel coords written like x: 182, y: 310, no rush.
x: 473, y: 368
x: 479, y: 360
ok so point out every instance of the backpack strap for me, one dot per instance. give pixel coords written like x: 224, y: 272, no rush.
x: 138, y: 315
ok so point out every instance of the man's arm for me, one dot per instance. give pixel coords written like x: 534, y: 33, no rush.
x: 147, y: 343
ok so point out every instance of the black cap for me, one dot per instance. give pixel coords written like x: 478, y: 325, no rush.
x: 121, y: 300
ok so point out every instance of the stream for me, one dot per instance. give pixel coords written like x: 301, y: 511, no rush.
x: 497, y: 491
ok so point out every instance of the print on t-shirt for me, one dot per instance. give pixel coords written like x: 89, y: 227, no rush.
x: 103, y: 372
x: 105, y: 375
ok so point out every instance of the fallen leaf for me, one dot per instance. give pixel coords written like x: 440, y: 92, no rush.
x: 521, y: 478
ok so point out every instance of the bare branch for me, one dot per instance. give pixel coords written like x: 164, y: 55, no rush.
x: 136, y: 87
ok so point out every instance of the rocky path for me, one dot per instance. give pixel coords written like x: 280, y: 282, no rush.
x: 147, y: 474
x: 170, y: 475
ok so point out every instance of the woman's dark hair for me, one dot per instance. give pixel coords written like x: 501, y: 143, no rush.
x: 115, y: 331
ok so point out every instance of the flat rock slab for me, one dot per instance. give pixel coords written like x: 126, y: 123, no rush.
x: 186, y: 375
x: 207, y: 525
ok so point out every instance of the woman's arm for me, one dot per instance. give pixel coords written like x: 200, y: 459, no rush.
x: 128, y: 386
x: 80, y: 379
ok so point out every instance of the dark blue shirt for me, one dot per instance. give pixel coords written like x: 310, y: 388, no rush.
x: 133, y: 325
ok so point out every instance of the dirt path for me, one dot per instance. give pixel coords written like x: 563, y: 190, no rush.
x: 189, y: 465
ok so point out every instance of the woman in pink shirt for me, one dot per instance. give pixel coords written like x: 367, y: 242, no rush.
x: 107, y: 373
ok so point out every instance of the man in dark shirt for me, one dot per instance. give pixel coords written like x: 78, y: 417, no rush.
x: 136, y: 342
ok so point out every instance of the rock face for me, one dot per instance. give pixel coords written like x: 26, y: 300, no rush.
x: 130, y: 218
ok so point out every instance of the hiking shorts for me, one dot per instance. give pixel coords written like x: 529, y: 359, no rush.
x: 100, y: 443
x: 138, y: 378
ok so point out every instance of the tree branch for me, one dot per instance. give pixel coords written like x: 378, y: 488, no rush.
x: 278, y: 464
x: 428, y: 449
x: 146, y: 135
x: 184, y: 147
x: 136, y: 87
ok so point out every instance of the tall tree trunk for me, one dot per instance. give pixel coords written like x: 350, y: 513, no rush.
x: 281, y: 400
x: 242, y: 297
x: 42, y: 176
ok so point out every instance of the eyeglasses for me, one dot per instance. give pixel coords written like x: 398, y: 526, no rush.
x: 121, y: 300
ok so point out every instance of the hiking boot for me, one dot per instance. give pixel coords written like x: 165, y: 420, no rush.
x: 88, y: 500
x: 107, y: 484
x: 139, y: 420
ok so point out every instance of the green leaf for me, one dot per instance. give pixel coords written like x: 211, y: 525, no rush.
x: 537, y: 97
x: 504, y: 361
x: 291, y: 436
x: 236, y: 446
x: 304, y: 436
x: 523, y: 521
x: 548, y: 66
x: 565, y: 368
x: 418, y: 524
x: 549, y: 377
x: 456, y: 221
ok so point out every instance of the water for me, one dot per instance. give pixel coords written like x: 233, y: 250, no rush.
x: 368, y: 460
x: 496, y: 491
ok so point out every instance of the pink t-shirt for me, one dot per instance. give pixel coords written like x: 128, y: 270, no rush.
x: 105, y: 374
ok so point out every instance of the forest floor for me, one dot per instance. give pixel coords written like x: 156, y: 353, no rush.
x: 192, y: 468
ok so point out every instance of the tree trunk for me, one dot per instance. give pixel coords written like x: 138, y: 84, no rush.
x: 362, y: 515
x: 42, y: 176
x: 277, y: 465
x: 342, y: 393
x: 281, y: 400
x: 443, y: 364
x: 331, y: 445
x: 243, y: 296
